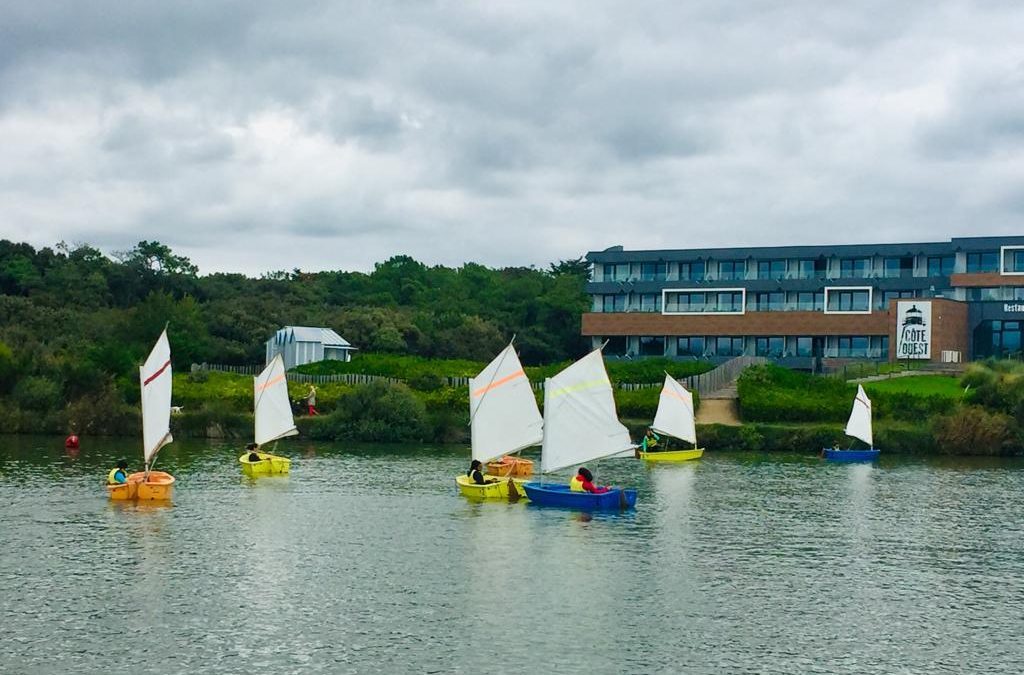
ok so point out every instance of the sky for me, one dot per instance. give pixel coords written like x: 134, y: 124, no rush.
x: 255, y: 136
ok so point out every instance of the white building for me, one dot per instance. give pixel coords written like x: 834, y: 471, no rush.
x: 303, y: 344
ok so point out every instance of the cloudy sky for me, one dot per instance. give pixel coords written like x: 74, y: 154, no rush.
x: 255, y: 136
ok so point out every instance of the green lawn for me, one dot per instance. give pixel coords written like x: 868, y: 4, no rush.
x: 922, y: 385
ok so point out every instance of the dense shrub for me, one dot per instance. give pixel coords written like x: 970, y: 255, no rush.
x: 37, y: 393
x: 972, y: 430
x: 374, y: 412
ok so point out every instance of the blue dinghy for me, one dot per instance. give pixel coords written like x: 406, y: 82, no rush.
x: 543, y: 494
x: 849, y: 455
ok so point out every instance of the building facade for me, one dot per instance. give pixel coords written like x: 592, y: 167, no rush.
x: 804, y: 305
x: 306, y: 344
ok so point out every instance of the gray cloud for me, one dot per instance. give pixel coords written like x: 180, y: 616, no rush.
x: 258, y: 135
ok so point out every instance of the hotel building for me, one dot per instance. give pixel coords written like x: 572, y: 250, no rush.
x: 803, y: 306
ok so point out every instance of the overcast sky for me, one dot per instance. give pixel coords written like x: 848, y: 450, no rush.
x: 255, y: 136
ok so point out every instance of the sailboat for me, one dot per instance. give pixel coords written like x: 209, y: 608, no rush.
x: 504, y: 419
x: 580, y: 425
x: 272, y: 420
x: 859, y: 427
x: 155, y: 382
x: 674, y: 418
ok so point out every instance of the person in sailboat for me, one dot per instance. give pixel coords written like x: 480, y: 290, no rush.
x: 253, y: 455
x: 475, y: 472
x: 118, y: 474
x: 583, y: 481
x: 651, y: 440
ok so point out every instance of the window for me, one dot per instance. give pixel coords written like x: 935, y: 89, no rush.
x: 615, y: 303
x: 769, y: 346
x: 805, y: 346
x: 695, y: 302
x: 616, y: 272
x: 653, y: 271
x: 852, y: 347
x: 805, y: 269
x: 690, y: 346
x: 652, y: 346
x: 730, y: 302
x: 886, y: 296
x: 728, y: 346
x: 986, y: 294
x: 692, y: 271
x: 807, y: 301
x: 854, y: 267
x: 997, y: 338
x: 771, y: 269
x: 616, y: 345
x: 1016, y: 261
x: 941, y: 266
x: 849, y: 301
x: 985, y: 261
x: 650, y: 302
x: 732, y: 269
x: 770, y: 302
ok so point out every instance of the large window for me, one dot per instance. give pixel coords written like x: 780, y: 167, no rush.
x: 614, y: 303
x: 652, y: 346
x: 886, y: 296
x: 653, y: 271
x: 771, y: 269
x: 894, y: 268
x: 650, y: 302
x: 840, y: 300
x: 698, y: 302
x: 769, y: 346
x: 805, y: 269
x: 692, y: 271
x: 690, y: 346
x: 941, y: 266
x: 769, y: 302
x: 728, y: 346
x: 616, y: 345
x: 808, y: 301
x: 997, y: 338
x: 854, y: 267
x: 616, y: 272
x: 994, y: 293
x: 852, y: 346
x: 1015, y: 261
x: 732, y: 269
x: 805, y: 346
x: 983, y: 261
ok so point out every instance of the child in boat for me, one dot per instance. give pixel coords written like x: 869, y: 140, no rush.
x: 583, y: 481
x: 477, y: 475
x: 253, y: 456
x: 119, y: 474
x: 650, y: 440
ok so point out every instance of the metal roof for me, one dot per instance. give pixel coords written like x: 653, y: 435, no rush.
x: 311, y: 334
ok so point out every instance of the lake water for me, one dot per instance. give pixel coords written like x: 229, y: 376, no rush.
x: 367, y: 560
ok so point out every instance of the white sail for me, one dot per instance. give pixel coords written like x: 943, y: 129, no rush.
x: 675, y: 412
x: 155, y: 378
x: 859, y: 425
x: 503, y: 411
x: 580, y: 423
x: 271, y: 409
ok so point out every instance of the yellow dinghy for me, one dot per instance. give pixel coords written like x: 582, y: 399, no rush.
x: 505, y: 489
x: 671, y: 455
x: 157, y: 486
x: 266, y: 466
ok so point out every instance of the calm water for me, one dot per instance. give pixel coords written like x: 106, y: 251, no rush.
x: 367, y: 560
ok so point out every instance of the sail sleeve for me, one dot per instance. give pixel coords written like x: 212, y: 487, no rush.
x: 580, y: 422
x: 675, y: 412
x: 859, y: 424
x: 503, y: 411
x: 155, y: 381
x: 272, y: 410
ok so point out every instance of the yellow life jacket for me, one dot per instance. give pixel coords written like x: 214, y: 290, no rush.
x: 576, y: 485
x: 113, y: 481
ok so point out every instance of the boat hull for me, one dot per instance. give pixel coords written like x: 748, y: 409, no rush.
x: 158, y: 486
x: 510, y: 466
x: 544, y: 494
x: 269, y: 465
x: 497, y: 491
x: 671, y: 455
x: 849, y: 455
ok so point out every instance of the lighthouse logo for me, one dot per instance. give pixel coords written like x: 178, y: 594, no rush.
x: 914, y: 330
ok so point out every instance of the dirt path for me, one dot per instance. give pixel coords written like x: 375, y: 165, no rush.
x: 718, y: 411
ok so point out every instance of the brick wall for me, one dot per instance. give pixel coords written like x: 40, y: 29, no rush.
x: 950, y: 328
x: 985, y: 279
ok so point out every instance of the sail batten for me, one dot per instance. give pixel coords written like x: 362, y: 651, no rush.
x: 580, y: 421
x: 859, y: 424
x: 272, y: 410
x: 675, y: 412
x: 504, y: 417
x: 155, y: 382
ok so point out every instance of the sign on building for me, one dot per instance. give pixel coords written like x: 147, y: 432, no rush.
x: 913, y: 329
